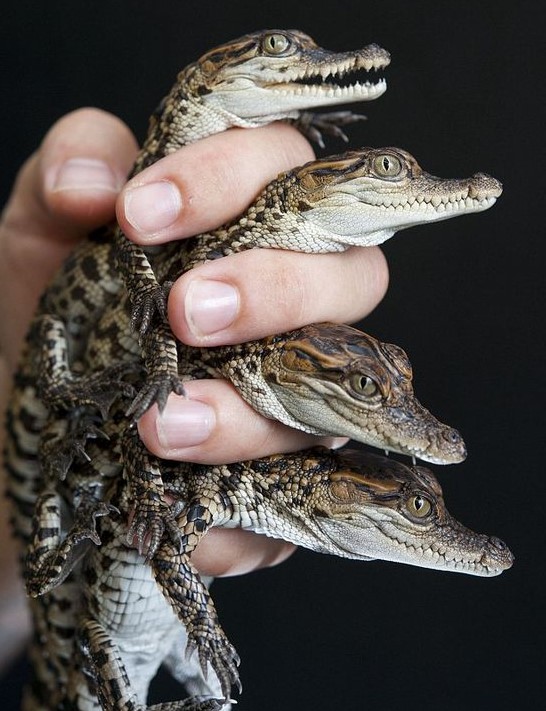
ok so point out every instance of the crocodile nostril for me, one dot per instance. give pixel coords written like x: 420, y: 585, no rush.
x: 497, y: 543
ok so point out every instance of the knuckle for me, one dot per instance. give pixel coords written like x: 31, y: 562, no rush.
x: 288, y: 295
x: 87, y: 116
x: 366, y: 280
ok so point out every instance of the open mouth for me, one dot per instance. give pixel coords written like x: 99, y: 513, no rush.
x: 341, y: 79
x: 351, y: 80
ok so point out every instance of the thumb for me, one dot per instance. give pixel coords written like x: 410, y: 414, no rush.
x: 68, y: 187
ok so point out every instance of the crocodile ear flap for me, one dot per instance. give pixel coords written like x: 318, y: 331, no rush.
x: 308, y: 181
x: 365, y: 483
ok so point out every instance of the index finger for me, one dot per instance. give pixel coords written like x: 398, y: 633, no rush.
x: 207, y: 183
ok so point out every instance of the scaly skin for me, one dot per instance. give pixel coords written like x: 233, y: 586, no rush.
x: 251, y: 81
x: 358, y: 198
x: 325, y: 379
x: 261, y: 77
x: 374, y: 191
x: 93, y: 491
x: 350, y: 504
x: 89, y: 279
x: 331, y: 379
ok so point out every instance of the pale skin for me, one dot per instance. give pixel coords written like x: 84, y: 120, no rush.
x: 75, y: 182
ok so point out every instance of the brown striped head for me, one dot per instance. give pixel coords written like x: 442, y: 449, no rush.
x: 363, y: 197
x: 376, y: 508
x: 275, y: 72
x: 343, y: 382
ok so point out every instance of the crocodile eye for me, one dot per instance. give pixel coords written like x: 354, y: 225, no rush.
x: 387, y: 166
x: 276, y: 44
x: 363, y: 385
x: 419, y: 506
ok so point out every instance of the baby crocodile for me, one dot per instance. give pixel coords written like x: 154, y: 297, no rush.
x: 360, y: 198
x: 355, y: 505
x: 253, y: 80
x: 209, y: 96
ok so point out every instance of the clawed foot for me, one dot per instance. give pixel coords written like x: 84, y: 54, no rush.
x: 150, y: 303
x: 218, y: 652
x: 58, y: 452
x: 97, y: 390
x: 313, y: 126
x: 149, y: 523
x: 155, y: 390
x: 49, y: 563
x: 85, y: 521
x: 101, y: 389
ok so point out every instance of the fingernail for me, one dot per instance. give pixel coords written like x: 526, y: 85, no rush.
x: 210, y: 306
x: 84, y: 174
x: 335, y: 442
x: 153, y: 207
x: 184, y: 423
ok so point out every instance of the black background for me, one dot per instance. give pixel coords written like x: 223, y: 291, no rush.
x: 466, y: 301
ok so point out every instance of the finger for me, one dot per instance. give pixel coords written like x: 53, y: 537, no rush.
x: 66, y: 188
x: 84, y: 162
x: 207, y: 183
x: 260, y: 292
x: 70, y: 184
x: 226, y: 552
x: 214, y: 426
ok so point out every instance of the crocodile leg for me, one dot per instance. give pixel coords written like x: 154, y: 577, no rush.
x: 190, y: 598
x: 60, y: 388
x: 151, y: 516
x: 105, y: 667
x: 161, y: 358
x: 50, y: 558
x: 113, y: 688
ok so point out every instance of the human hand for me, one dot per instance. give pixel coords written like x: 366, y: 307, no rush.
x: 70, y: 186
x: 235, y: 299
x: 49, y: 211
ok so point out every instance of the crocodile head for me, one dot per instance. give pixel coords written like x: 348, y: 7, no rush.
x: 376, y: 508
x: 340, y: 381
x: 271, y: 73
x: 363, y: 197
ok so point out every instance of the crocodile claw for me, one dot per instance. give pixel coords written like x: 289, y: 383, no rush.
x: 151, y: 302
x: 156, y: 390
x: 313, y: 126
x: 149, y: 524
x: 57, y: 454
x: 46, y: 566
x: 217, y: 652
x: 98, y: 390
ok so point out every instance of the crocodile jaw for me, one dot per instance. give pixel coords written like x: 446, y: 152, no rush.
x: 363, y: 197
x: 244, y: 100
x: 386, y: 535
x: 266, y: 86
x: 322, y: 407
x: 368, y: 221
